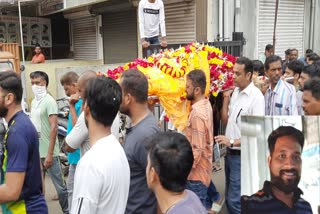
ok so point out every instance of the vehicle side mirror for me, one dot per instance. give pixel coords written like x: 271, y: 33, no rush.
x: 22, y: 68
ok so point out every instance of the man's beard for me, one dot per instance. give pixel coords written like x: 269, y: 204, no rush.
x: 190, y: 97
x: 286, y: 185
x: 3, y: 111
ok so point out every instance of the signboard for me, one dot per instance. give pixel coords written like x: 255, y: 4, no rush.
x: 35, y: 31
x: 47, y: 7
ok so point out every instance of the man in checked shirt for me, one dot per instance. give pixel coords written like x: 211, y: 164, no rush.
x: 200, y: 135
x: 280, y: 97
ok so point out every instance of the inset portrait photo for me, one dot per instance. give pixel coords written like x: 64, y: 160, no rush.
x: 280, y: 164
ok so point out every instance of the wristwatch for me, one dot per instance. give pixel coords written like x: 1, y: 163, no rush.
x: 231, y: 142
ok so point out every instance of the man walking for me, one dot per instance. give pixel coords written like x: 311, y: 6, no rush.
x: 134, y: 86
x: 200, y: 135
x: 103, y: 175
x: 69, y: 83
x: 44, y: 111
x: 246, y: 99
x: 21, y: 183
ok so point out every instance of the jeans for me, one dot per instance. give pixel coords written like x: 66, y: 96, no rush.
x: 153, y: 41
x: 207, y: 195
x: 57, y: 178
x: 232, y: 170
x: 70, y: 183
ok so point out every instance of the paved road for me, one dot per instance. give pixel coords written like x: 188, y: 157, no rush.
x: 54, y: 207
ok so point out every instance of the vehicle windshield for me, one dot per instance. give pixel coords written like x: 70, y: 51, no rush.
x: 4, y: 66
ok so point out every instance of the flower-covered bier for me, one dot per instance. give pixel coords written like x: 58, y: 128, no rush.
x: 166, y: 72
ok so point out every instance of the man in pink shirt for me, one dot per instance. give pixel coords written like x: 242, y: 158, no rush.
x: 38, y: 57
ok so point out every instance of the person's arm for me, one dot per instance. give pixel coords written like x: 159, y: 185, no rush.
x: 73, y: 114
x: 53, y: 122
x: 141, y: 21
x: 163, y: 26
x: 225, y: 107
x: 222, y: 139
x: 73, y: 111
x: 77, y: 136
x: 11, y: 190
x: 162, y: 22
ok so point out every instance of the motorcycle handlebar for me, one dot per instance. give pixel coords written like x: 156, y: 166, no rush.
x: 62, y: 99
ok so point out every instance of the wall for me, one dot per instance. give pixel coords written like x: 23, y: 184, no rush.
x: 312, y: 27
x: 51, y: 67
x: 316, y: 37
x: 79, y: 70
x: 76, y: 3
x: 215, y: 19
x: 246, y: 22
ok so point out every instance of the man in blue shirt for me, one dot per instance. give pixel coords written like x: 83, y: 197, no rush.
x: 69, y: 83
x: 21, y: 183
x: 281, y: 194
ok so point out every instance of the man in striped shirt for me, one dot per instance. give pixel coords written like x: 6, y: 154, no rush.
x: 280, y: 98
x: 281, y: 194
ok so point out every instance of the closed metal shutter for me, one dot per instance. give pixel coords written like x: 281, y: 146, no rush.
x: 289, y: 29
x: 84, y: 33
x: 180, y: 21
x: 120, y: 36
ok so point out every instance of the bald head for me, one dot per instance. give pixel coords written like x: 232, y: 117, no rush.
x: 83, y: 81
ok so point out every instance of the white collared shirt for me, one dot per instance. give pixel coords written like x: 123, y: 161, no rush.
x: 249, y: 101
x: 282, y: 100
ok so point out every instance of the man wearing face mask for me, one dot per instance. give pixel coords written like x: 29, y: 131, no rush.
x: 281, y: 194
x: 44, y: 111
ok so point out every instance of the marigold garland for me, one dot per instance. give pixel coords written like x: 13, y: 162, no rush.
x: 166, y: 73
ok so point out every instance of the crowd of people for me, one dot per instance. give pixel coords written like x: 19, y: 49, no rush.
x: 150, y: 171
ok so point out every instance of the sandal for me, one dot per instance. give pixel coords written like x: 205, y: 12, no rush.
x: 217, y: 205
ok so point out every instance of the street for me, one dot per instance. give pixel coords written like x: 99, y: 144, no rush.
x: 54, y: 207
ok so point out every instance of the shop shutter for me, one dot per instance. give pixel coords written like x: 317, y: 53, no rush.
x: 84, y: 32
x: 180, y: 21
x: 120, y: 36
x: 289, y: 29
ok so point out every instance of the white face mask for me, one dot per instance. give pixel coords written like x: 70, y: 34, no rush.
x: 39, y: 91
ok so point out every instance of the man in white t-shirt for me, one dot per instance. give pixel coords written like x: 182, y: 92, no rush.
x: 151, y: 19
x: 79, y: 135
x: 102, y: 177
